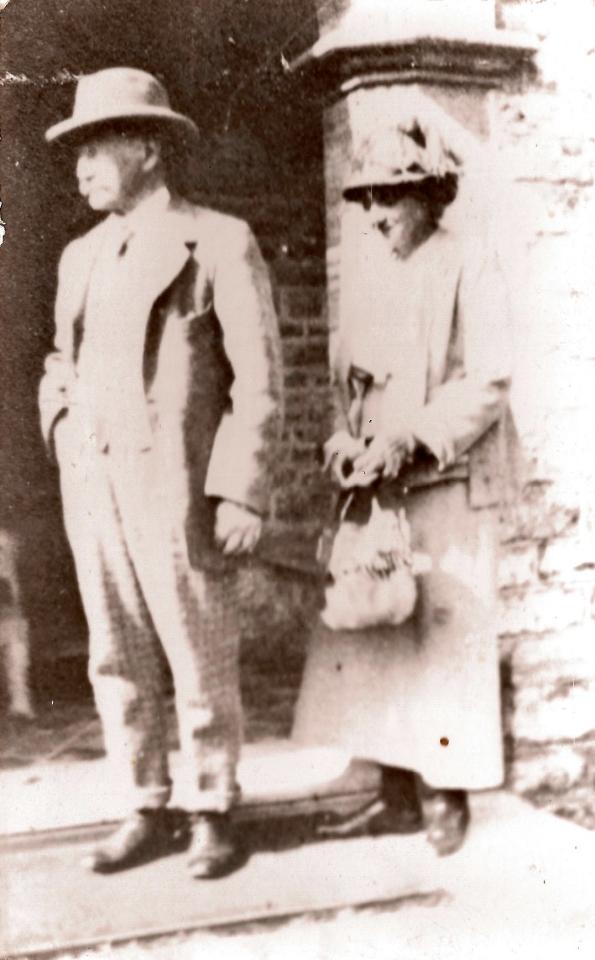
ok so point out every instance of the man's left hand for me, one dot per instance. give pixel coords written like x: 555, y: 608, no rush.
x: 237, y: 529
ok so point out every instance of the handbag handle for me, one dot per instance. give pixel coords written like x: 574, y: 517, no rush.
x: 359, y: 381
x: 346, y: 506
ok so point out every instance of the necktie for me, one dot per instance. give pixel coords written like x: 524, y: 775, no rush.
x: 121, y: 237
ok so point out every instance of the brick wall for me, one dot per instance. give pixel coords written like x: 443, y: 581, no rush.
x: 300, y: 494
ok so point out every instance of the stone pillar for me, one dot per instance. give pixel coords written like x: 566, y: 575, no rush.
x: 373, y: 60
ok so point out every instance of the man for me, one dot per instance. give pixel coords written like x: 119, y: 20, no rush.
x: 161, y: 401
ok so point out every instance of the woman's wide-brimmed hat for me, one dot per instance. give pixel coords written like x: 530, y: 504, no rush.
x: 407, y: 153
x: 117, y: 95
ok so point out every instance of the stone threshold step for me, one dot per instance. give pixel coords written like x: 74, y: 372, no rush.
x: 277, y: 778
x: 245, y: 814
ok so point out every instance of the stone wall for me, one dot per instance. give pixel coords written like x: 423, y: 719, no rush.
x: 544, y: 163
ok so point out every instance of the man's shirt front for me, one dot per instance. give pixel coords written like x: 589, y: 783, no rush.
x: 119, y: 300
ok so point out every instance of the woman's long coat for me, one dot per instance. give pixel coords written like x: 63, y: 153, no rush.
x: 425, y: 695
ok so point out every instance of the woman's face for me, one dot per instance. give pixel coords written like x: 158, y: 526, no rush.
x: 404, y: 219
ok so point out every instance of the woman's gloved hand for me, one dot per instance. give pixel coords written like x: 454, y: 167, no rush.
x: 383, y: 456
x: 340, y: 452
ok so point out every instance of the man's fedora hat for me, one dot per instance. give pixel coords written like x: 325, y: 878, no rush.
x: 117, y: 95
x: 410, y: 152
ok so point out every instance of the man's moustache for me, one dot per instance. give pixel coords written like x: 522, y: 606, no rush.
x: 86, y: 189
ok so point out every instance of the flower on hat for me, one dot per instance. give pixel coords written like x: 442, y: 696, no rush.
x: 424, y: 143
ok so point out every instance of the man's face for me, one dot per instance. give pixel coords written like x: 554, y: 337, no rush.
x: 399, y: 215
x: 112, y: 170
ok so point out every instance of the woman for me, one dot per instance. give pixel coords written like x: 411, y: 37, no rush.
x: 421, y: 374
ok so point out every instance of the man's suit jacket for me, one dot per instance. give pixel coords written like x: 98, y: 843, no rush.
x: 211, y: 365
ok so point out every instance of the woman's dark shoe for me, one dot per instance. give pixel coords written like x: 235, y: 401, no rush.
x: 213, y: 850
x: 446, y: 819
x: 141, y: 837
x: 396, y: 810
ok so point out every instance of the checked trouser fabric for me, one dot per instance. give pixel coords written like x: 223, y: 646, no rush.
x: 124, y: 515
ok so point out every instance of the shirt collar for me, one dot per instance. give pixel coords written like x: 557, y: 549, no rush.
x: 150, y: 210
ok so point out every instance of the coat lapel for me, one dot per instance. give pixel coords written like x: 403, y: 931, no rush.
x: 167, y: 252
x: 168, y: 258
x: 440, y: 297
x: 72, y: 295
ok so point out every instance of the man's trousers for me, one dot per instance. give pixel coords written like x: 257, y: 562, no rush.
x: 125, y: 520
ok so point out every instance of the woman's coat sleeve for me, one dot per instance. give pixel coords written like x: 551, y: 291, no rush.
x: 471, y: 396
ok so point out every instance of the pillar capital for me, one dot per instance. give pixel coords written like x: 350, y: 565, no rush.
x: 443, y: 42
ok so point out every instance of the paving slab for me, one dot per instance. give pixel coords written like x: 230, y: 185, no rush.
x: 521, y: 887
x: 51, y: 902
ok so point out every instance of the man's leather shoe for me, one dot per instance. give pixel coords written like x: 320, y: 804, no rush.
x: 141, y: 837
x: 446, y: 819
x: 213, y: 850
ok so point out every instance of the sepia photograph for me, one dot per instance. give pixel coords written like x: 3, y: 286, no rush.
x: 297, y: 479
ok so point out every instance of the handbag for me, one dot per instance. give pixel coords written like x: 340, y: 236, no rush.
x: 371, y: 570
x: 370, y: 565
